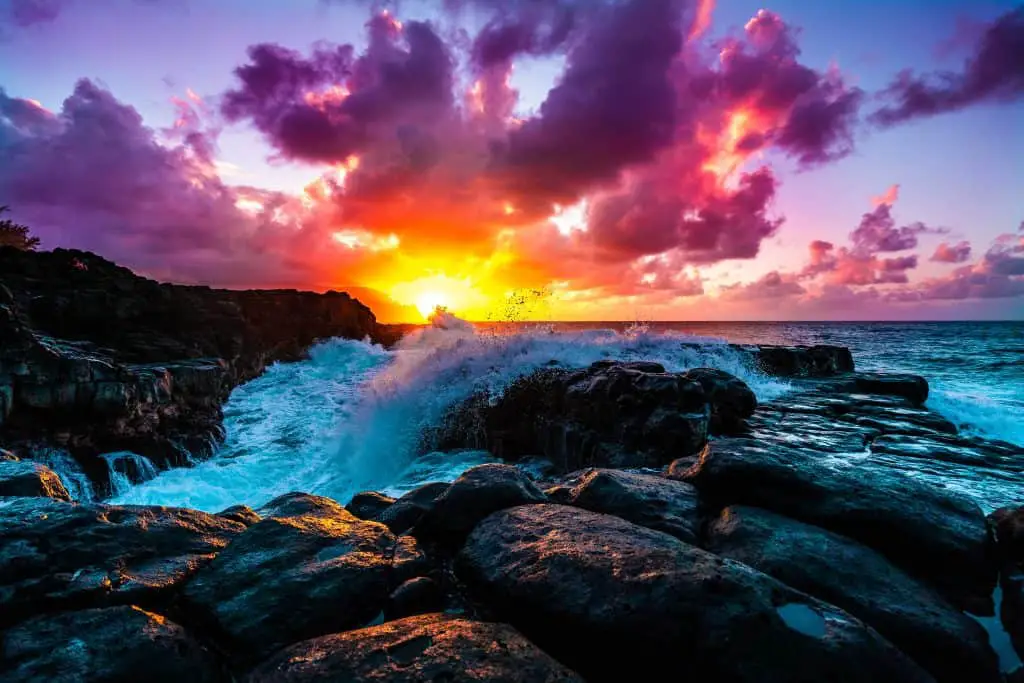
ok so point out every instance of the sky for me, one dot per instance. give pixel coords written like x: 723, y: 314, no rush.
x: 558, y: 159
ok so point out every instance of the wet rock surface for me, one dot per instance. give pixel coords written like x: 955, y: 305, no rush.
x: 308, y: 568
x: 641, y: 604
x: 1008, y: 524
x: 56, y: 555
x: 651, y: 501
x: 97, y: 359
x: 25, y: 478
x: 914, y: 617
x: 935, y: 535
x: 103, y: 645
x: 612, y: 414
x: 425, y: 648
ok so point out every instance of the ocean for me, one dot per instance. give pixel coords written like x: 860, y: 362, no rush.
x: 348, y: 418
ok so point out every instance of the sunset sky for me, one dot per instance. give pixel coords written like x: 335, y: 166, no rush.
x: 634, y: 159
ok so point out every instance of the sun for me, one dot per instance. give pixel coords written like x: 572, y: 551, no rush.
x: 427, y: 302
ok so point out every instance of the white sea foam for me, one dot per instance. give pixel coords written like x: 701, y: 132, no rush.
x: 349, y: 417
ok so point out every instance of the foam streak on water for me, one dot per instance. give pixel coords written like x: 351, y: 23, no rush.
x: 349, y: 418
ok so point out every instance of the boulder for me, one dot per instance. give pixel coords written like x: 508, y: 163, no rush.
x: 405, y: 512
x: 123, y: 643
x: 801, y: 361
x: 297, y: 504
x: 242, y: 514
x: 611, y: 414
x: 731, y: 400
x: 424, y: 648
x: 1008, y: 524
x: 911, y: 615
x: 369, y: 504
x: 651, y: 501
x: 26, y: 478
x: 477, y: 493
x: 910, y: 387
x: 934, y: 534
x: 416, y: 596
x: 616, y: 601
x: 56, y: 555
x: 293, y: 576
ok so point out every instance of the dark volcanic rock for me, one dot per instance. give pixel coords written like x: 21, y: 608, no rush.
x: 425, y: 648
x: 654, y: 502
x: 297, y: 504
x: 242, y: 514
x: 620, y: 602
x: 405, y: 512
x: 56, y: 555
x: 475, y: 494
x: 416, y: 596
x: 731, y: 400
x: 1008, y: 524
x: 24, y: 478
x: 609, y: 415
x: 950, y: 645
x: 801, y: 361
x: 102, y: 646
x: 369, y: 504
x: 292, y: 577
x: 935, y: 535
x: 112, y: 361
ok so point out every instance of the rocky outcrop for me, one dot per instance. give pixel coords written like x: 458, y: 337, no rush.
x: 616, y: 601
x: 654, y: 502
x: 942, y: 639
x: 112, y: 644
x: 800, y: 361
x: 303, y: 573
x: 426, y: 648
x: 612, y: 414
x: 56, y: 555
x: 934, y: 534
x: 24, y: 478
x: 97, y: 359
x: 1008, y: 524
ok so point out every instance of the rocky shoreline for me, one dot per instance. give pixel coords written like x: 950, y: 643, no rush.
x: 670, y: 526
x: 96, y: 359
x: 680, y: 530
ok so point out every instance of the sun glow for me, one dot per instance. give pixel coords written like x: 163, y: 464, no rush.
x: 428, y: 302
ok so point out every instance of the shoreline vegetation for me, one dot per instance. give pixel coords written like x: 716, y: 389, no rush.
x: 675, y: 525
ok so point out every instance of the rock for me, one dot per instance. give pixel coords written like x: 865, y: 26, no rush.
x: 947, y: 450
x: 477, y: 493
x: 650, y: 501
x: 26, y: 478
x: 611, y: 414
x: 298, y: 504
x: 56, y: 555
x: 243, y: 514
x: 616, y: 601
x: 731, y: 400
x: 912, y: 616
x: 100, y: 645
x: 934, y: 534
x: 116, y: 362
x: 424, y: 648
x: 369, y: 504
x: 295, y: 575
x: 908, y: 386
x: 801, y: 361
x: 7, y: 456
x: 405, y: 512
x: 1008, y: 523
x: 416, y: 596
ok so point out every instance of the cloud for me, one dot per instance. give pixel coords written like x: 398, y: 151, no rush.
x: 994, y: 72
x: 889, y: 197
x: 877, y: 232
x: 30, y: 12
x: 952, y: 253
x: 774, y: 285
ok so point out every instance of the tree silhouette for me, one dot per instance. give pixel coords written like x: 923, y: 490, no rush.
x: 15, y: 235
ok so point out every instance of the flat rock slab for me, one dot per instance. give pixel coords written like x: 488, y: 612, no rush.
x: 932, y: 533
x: 27, y: 478
x: 290, y: 578
x: 651, y: 501
x: 102, y: 645
x: 616, y: 601
x: 914, y: 617
x: 56, y: 555
x: 416, y: 649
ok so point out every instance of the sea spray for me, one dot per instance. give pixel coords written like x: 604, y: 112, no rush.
x: 350, y: 417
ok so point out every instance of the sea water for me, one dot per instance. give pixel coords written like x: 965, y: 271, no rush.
x: 348, y: 418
